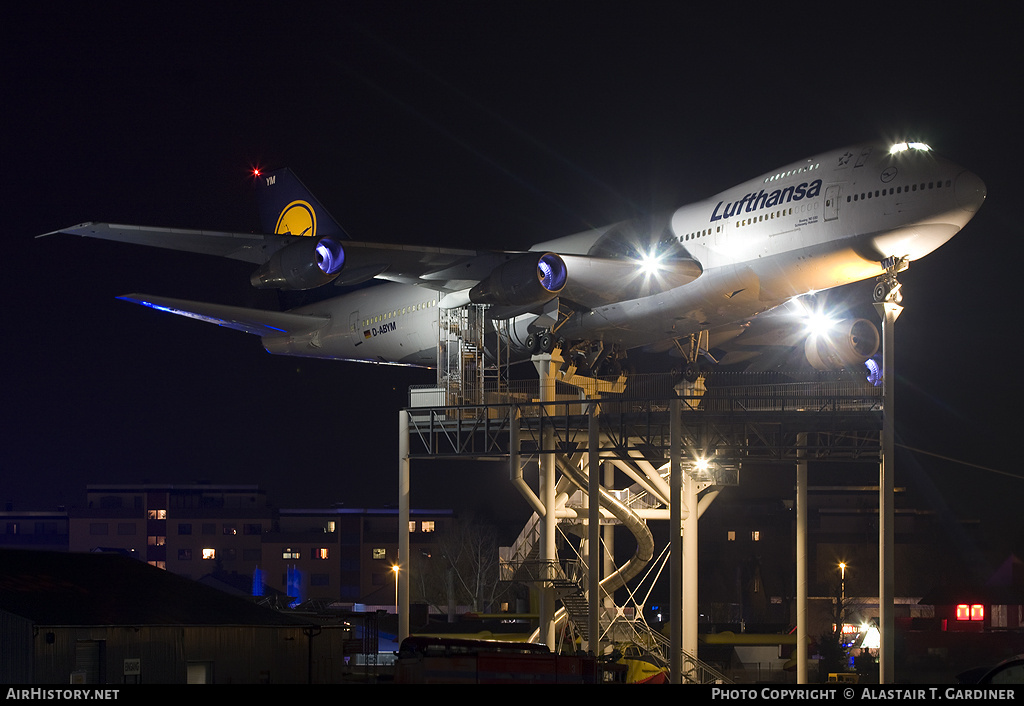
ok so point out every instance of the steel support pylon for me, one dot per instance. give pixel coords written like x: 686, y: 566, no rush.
x: 889, y: 311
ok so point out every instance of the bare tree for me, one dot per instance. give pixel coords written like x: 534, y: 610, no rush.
x: 462, y: 570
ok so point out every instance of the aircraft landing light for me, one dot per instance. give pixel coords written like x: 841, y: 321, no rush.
x: 818, y: 323
x: 651, y: 264
x: 904, y: 146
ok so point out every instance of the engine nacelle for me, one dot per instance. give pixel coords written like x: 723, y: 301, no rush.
x: 304, y: 264
x: 846, y: 345
x: 523, y: 281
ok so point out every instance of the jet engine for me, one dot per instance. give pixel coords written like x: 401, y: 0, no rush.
x: 304, y: 264
x: 846, y: 344
x: 526, y: 280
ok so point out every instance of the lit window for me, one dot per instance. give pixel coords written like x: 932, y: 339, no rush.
x: 412, y: 526
x: 289, y: 553
x: 977, y: 612
x: 731, y: 535
x: 427, y: 526
x: 230, y: 529
x: 999, y: 616
x: 321, y: 553
x: 156, y: 540
x: 331, y: 525
x: 209, y: 554
x: 379, y: 553
x: 156, y: 514
x: 755, y: 536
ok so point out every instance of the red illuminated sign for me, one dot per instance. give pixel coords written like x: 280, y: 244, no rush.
x: 970, y: 612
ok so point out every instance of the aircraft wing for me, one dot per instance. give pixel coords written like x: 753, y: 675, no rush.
x: 254, y: 321
x: 248, y: 247
x: 442, y: 269
x: 592, y: 281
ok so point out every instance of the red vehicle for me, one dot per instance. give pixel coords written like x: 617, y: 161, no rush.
x: 436, y: 660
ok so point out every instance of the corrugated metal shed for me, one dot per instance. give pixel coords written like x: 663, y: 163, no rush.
x: 99, y: 617
x: 57, y: 588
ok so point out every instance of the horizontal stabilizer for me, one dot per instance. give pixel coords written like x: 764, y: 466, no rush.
x: 255, y: 321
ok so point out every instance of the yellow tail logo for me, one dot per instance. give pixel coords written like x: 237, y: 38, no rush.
x: 297, y: 218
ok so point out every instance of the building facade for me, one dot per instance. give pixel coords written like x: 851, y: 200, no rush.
x: 338, y: 555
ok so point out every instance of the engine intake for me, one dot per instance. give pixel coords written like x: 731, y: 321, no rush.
x: 523, y: 281
x: 848, y: 344
x: 304, y: 264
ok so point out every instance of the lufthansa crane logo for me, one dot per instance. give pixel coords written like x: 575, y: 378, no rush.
x: 297, y: 218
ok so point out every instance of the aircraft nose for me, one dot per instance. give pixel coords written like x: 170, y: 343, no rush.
x: 970, y: 191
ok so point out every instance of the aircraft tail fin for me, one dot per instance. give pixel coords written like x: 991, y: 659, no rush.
x: 286, y: 206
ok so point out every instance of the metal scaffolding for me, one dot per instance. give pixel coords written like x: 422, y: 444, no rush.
x: 679, y: 443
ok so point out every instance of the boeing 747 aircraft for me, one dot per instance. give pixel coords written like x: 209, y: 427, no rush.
x: 694, y: 280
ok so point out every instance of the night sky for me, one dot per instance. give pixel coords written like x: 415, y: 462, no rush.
x: 470, y: 124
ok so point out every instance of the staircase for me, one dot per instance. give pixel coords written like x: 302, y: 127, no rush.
x: 464, y: 370
x: 521, y: 563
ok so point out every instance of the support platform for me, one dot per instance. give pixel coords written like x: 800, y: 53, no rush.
x: 562, y: 421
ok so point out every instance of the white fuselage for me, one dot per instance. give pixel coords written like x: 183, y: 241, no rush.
x: 811, y: 225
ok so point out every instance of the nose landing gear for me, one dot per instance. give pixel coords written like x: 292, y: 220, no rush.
x: 887, y: 287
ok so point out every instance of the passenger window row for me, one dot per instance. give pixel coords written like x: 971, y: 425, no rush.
x: 878, y: 193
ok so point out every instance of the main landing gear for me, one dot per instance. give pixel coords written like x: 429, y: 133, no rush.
x: 591, y: 357
x: 690, y: 369
x: 542, y: 342
x: 887, y: 288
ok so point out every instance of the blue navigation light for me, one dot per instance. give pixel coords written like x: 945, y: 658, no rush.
x: 158, y: 307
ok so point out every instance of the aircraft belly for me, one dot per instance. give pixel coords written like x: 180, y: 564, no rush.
x: 344, y: 347
x: 914, y: 241
x: 812, y: 269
